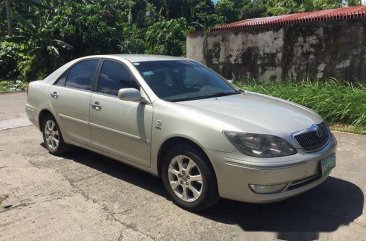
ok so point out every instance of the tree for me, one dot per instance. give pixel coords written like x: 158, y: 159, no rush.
x: 262, y: 8
x: 8, y: 60
x: 50, y: 32
x: 40, y: 45
x: 228, y: 10
x: 161, y: 7
x: 203, y: 13
x: 253, y: 9
x: 178, y: 9
x: 354, y: 2
x: 278, y: 7
x: 167, y: 37
x: 9, y: 18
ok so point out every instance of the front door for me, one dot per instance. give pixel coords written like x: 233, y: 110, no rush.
x: 122, y: 128
x: 70, y: 100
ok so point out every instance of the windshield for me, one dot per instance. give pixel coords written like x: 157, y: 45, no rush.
x: 180, y: 80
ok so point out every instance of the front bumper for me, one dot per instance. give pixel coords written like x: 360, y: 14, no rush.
x: 300, y: 171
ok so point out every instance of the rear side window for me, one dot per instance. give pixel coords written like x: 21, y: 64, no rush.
x: 115, y: 76
x: 81, y: 75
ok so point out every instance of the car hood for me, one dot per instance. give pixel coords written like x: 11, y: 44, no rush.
x: 252, y: 112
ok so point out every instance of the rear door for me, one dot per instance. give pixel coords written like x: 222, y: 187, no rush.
x: 70, y: 99
x: 122, y: 128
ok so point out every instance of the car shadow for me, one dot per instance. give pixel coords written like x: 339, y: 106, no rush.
x: 324, y: 209
x: 117, y: 169
x: 334, y: 203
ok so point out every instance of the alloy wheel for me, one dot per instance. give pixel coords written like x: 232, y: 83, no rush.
x: 52, y: 135
x: 185, y: 178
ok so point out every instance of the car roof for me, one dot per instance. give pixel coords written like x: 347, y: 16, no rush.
x: 133, y: 58
x: 145, y: 57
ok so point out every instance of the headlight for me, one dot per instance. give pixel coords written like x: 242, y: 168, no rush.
x: 258, y: 145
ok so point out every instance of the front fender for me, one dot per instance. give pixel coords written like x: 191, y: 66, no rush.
x: 171, y: 120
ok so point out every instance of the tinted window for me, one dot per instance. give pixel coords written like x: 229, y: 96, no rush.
x: 61, y: 81
x: 81, y: 75
x: 180, y: 80
x: 114, y: 76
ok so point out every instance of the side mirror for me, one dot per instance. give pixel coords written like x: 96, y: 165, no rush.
x: 129, y: 94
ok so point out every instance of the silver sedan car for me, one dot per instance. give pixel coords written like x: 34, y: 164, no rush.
x: 179, y: 120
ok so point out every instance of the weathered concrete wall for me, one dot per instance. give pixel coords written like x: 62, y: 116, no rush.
x: 317, y: 50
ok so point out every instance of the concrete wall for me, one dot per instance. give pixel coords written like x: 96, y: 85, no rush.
x: 318, y: 50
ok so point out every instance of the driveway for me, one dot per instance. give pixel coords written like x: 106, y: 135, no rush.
x: 85, y: 196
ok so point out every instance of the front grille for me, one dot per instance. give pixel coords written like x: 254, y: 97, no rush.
x: 315, y: 138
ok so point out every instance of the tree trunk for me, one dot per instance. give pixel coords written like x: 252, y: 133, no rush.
x: 9, y: 18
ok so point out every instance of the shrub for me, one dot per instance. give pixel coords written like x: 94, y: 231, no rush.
x: 8, y: 60
x: 167, y: 37
x: 7, y: 86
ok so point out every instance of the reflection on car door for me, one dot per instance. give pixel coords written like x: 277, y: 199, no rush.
x: 122, y: 128
x: 70, y: 99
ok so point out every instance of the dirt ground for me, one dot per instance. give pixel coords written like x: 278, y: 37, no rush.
x: 85, y: 196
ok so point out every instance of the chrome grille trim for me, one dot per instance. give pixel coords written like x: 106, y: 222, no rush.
x: 313, y: 138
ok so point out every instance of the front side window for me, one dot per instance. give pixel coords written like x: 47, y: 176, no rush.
x: 115, y: 76
x: 180, y: 80
x: 62, y: 79
x: 81, y: 75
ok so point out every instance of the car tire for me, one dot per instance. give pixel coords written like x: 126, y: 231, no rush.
x: 186, y: 190
x: 52, y: 137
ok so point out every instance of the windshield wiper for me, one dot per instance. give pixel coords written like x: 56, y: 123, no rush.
x: 220, y: 94
x: 204, y: 96
x: 186, y: 99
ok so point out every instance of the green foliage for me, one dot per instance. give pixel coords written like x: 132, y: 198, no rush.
x: 354, y: 2
x: 49, y: 33
x: 253, y: 9
x: 12, y: 86
x: 335, y: 101
x: 40, y: 47
x: 167, y: 37
x: 203, y: 13
x: 90, y: 28
x: 8, y: 60
x: 3, y: 24
x: 277, y: 7
x: 260, y: 8
x: 228, y: 10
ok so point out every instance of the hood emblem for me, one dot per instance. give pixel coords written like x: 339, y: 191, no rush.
x: 319, y: 132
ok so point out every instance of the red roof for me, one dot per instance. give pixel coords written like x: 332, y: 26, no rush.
x: 323, y: 15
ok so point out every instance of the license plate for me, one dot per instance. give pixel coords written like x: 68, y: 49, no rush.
x: 328, y: 164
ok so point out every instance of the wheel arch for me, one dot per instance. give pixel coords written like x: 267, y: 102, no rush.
x: 42, y: 114
x: 172, y: 141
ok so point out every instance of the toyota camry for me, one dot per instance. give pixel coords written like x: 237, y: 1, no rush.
x: 179, y: 120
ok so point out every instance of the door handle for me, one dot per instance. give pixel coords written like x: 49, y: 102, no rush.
x: 54, y: 95
x: 96, y: 105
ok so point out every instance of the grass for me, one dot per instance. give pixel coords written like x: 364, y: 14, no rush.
x: 349, y: 128
x: 342, y: 105
x: 10, y: 86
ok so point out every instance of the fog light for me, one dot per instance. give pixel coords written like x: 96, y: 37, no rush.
x: 258, y: 188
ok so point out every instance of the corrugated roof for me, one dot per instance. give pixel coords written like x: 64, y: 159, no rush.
x: 323, y: 15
